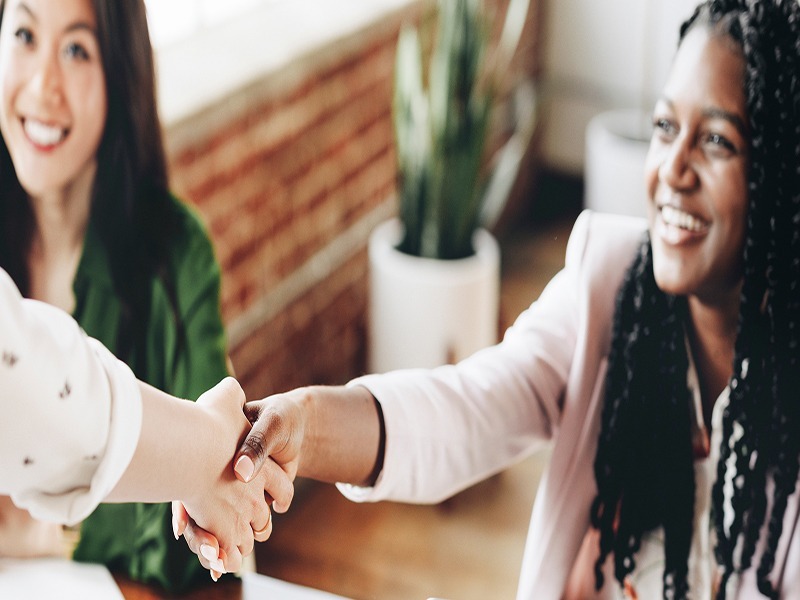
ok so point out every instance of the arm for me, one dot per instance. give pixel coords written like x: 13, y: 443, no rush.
x: 72, y: 423
x: 184, y: 453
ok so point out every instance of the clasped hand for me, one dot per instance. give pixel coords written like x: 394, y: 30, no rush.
x: 232, y: 507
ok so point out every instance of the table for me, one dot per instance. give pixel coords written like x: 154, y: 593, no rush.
x: 45, y: 578
x: 251, y: 586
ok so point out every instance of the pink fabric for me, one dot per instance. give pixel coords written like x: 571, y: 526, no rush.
x: 449, y: 428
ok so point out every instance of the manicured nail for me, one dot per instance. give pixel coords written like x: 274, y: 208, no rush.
x: 209, y: 553
x: 218, y: 566
x: 175, y: 527
x: 244, y: 467
x: 214, y: 576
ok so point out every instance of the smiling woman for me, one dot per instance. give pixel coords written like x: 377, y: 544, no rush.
x: 661, y: 362
x: 87, y: 223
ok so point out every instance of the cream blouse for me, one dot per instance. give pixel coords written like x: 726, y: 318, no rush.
x: 71, y: 411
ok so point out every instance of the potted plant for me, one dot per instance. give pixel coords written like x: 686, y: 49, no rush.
x: 434, y: 270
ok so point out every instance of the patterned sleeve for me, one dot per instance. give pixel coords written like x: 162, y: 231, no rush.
x: 71, y: 411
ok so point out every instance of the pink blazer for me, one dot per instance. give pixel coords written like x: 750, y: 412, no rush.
x: 449, y: 428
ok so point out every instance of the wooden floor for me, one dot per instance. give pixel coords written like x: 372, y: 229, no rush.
x: 469, y: 547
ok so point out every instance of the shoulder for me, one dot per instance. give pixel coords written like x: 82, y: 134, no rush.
x: 602, y: 246
x: 190, y: 248
x: 603, y: 237
x: 192, y: 265
x: 189, y: 237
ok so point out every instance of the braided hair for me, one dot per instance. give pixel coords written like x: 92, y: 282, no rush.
x: 644, y: 464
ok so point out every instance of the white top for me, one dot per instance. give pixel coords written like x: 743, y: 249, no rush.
x: 647, y: 578
x: 72, y: 412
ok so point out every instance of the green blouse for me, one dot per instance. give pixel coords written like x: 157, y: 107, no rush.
x: 137, y: 539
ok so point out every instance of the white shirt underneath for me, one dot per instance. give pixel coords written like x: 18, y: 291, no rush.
x: 647, y: 579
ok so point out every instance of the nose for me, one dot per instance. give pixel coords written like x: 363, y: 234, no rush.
x: 676, y: 168
x: 47, y: 79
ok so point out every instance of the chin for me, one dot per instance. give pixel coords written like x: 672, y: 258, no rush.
x: 669, y: 281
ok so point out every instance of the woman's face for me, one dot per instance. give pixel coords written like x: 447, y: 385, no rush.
x: 53, y: 101
x: 696, y: 171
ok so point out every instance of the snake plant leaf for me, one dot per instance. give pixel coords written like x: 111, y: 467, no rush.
x: 441, y: 131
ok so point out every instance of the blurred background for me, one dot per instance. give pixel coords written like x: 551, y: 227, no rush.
x: 278, y: 124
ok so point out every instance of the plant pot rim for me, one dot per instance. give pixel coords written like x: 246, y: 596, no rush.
x: 386, y: 236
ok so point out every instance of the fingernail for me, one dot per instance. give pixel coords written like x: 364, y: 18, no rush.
x: 218, y: 566
x: 214, y: 576
x: 175, y: 527
x: 209, y: 553
x: 244, y: 467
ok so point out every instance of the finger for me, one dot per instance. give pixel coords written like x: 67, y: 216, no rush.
x: 215, y: 575
x: 251, y: 455
x: 231, y: 559
x: 205, y: 546
x: 257, y: 446
x: 247, y: 545
x: 261, y: 534
x: 180, y: 518
x: 277, y: 485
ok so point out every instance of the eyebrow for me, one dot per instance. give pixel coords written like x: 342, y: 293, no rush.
x: 77, y: 26
x: 718, y: 113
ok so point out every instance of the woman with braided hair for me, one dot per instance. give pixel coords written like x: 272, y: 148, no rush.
x: 661, y: 363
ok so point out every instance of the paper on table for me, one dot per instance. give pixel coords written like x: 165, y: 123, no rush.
x: 260, y: 586
x: 47, y: 578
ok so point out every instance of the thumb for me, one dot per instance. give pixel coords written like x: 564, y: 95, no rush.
x: 251, y: 455
x: 258, y: 444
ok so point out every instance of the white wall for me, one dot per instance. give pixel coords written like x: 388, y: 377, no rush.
x: 600, y: 55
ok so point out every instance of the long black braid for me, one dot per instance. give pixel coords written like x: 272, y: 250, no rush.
x: 643, y: 466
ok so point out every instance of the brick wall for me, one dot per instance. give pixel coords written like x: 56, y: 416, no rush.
x: 291, y: 174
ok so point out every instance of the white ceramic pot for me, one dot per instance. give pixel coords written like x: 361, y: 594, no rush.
x: 425, y: 312
x: 616, y: 147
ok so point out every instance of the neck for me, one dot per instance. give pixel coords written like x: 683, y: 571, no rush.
x: 712, y: 336
x: 61, y: 218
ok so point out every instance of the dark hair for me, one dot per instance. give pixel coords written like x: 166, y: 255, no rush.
x: 130, y: 201
x: 644, y: 464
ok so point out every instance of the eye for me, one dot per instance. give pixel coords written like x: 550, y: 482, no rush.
x: 664, y: 128
x: 77, y: 51
x: 24, y: 36
x: 720, y: 144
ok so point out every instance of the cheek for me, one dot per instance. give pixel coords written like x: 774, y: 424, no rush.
x: 651, y: 164
x: 90, y: 102
x: 7, y: 94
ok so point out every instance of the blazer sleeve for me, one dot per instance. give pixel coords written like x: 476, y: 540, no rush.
x: 71, y: 411
x: 452, y: 426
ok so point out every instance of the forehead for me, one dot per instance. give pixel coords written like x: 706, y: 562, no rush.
x: 55, y: 13
x: 708, y: 71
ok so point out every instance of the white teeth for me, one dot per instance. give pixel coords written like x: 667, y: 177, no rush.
x: 678, y: 218
x: 43, y: 135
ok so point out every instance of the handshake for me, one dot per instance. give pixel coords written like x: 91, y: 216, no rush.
x: 250, y: 454
x: 241, y: 466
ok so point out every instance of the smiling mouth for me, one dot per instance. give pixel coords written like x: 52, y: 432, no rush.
x: 42, y: 134
x: 681, y: 219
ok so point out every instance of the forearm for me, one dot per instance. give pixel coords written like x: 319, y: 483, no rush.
x: 176, y: 447
x: 342, y: 440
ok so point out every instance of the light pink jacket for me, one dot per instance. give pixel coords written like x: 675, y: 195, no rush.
x: 449, y: 428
